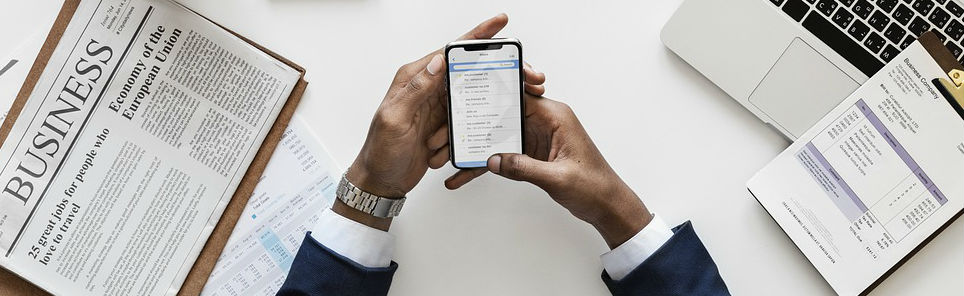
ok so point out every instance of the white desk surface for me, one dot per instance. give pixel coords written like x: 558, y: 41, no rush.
x: 679, y: 141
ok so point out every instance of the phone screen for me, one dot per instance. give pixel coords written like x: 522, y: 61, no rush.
x: 485, y: 102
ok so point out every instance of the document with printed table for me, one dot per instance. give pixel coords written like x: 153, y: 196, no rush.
x: 877, y: 178
x: 297, y: 186
x: 132, y: 148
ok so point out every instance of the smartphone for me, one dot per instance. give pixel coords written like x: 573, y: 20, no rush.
x: 486, y: 106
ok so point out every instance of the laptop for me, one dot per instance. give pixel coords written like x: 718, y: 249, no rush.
x: 792, y: 61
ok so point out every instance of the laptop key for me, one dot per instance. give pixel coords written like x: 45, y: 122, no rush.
x: 907, y: 41
x: 889, y: 53
x: 852, y: 51
x: 923, y: 6
x: 796, y: 9
x: 918, y: 26
x: 955, y: 9
x: 895, y: 33
x: 954, y: 30
x: 847, y: 3
x: 879, y: 21
x: 955, y: 50
x: 776, y: 2
x: 863, y: 8
x: 903, y: 14
x: 842, y: 18
x: 826, y: 6
x: 874, y: 42
x: 939, y: 17
x: 859, y: 30
x: 941, y: 1
x: 887, y: 5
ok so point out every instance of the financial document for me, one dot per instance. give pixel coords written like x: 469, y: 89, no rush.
x: 298, y: 184
x: 873, y: 179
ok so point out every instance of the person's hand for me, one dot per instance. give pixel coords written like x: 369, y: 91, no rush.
x: 409, y: 128
x: 561, y: 159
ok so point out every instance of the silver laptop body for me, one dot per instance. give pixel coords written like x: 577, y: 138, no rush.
x: 782, y: 60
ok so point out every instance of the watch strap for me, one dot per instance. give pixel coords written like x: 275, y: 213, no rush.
x: 366, y: 202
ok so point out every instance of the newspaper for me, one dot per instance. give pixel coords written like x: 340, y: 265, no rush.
x: 298, y: 184
x: 130, y: 146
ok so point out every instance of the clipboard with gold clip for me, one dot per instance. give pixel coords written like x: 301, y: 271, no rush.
x: 952, y: 86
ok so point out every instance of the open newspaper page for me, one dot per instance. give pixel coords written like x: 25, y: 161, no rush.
x: 131, y: 144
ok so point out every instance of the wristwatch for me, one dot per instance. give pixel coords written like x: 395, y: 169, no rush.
x: 354, y: 197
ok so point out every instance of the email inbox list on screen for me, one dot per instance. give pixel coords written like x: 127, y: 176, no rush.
x: 485, y: 101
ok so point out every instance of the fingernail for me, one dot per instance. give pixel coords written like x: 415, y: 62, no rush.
x: 495, y: 163
x: 434, y: 66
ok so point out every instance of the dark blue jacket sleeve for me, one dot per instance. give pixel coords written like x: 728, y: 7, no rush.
x: 680, y: 267
x: 316, y: 270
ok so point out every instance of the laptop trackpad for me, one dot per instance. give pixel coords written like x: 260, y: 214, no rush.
x: 801, y: 88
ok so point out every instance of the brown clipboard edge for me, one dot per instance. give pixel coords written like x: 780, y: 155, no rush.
x: 946, y: 61
x: 12, y: 284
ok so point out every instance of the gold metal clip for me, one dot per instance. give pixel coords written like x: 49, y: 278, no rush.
x: 953, y: 89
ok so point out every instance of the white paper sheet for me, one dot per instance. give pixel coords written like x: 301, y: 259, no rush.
x: 299, y: 183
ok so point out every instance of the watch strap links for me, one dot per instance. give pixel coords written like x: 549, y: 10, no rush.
x: 366, y: 202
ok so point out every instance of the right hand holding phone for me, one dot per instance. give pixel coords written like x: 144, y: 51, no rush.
x: 562, y: 159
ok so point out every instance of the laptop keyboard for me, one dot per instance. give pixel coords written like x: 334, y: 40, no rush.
x: 869, y: 33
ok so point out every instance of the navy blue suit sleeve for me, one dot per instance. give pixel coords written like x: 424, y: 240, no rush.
x: 316, y: 270
x: 682, y: 266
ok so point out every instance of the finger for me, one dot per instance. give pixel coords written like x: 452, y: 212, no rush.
x: 521, y: 167
x: 487, y: 29
x: 407, y: 71
x: 535, y: 90
x: 439, y: 138
x: 439, y: 159
x: 463, y: 177
x: 423, y: 85
x: 532, y: 76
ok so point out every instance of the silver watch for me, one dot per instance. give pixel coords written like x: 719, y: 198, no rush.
x: 374, y: 205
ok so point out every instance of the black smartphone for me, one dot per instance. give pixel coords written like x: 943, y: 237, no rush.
x: 486, y: 106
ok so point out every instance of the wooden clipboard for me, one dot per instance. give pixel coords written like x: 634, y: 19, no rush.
x: 11, y: 284
x: 952, y: 86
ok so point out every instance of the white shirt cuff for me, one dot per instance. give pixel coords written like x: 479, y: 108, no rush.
x: 624, y: 259
x: 367, y: 246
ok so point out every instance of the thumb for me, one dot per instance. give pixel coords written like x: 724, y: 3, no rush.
x: 425, y: 83
x: 521, y: 167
